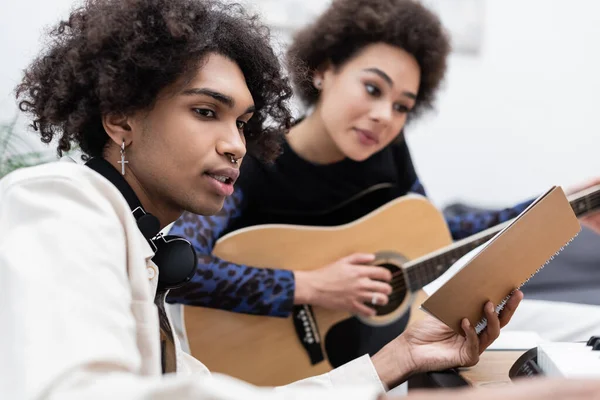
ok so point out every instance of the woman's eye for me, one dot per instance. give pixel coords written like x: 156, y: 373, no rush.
x: 401, y: 108
x: 205, y: 112
x: 241, y: 125
x: 372, y: 90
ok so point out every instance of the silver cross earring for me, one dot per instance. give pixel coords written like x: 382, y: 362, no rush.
x: 123, y: 162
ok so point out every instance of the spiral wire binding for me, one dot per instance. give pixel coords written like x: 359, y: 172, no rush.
x: 481, y: 325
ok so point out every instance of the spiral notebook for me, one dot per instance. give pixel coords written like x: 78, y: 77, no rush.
x: 504, y: 263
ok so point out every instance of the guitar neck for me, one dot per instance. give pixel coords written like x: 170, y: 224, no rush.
x: 426, y: 269
x: 585, y: 201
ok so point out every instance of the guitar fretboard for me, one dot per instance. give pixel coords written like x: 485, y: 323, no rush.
x: 426, y: 269
x: 586, y: 202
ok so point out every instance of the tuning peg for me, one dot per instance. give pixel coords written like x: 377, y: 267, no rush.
x: 593, y: 341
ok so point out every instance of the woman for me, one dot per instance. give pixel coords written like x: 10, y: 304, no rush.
x: 160, y: 96
x: 364, y: 68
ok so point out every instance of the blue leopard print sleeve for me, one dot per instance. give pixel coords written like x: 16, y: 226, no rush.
x: 224, y: 285
x: 468, y: 224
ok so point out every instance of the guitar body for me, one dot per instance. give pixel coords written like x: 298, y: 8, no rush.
x: 267, y: 350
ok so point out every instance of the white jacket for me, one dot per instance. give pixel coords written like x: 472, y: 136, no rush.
x: 76, y: 303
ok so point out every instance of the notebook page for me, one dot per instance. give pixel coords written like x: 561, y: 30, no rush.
x: 464, y: 260
x: 505, y: 262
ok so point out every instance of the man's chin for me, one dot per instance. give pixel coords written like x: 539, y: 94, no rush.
x: 208, y: 208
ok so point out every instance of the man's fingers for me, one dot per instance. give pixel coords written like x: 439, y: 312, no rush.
x: 472, y: 344
x: 510, y: 307
x: 492, y: 330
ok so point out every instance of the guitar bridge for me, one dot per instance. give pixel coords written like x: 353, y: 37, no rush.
x: 308, y: 333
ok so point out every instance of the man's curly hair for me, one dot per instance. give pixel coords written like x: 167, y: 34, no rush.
x: 116, y: 55
x: 348, y: 26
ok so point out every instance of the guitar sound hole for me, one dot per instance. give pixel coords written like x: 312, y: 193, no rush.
x: 398, y: 290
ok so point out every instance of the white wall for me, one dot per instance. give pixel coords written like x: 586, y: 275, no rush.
x: 511, y: 121
x: 22, y: 26
x: 522, y: 115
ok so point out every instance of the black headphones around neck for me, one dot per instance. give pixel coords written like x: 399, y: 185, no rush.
x: 174, y: 256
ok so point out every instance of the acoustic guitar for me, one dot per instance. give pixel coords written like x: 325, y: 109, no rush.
x: 409, y: 236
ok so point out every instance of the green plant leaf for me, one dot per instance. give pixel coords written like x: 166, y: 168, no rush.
x: 15, y: 152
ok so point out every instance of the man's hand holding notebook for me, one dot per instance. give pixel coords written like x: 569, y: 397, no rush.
x: 506, y: 262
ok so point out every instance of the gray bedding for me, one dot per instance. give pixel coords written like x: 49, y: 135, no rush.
x: 573, y: 276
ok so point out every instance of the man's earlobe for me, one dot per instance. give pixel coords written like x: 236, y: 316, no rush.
x: 117, y: 127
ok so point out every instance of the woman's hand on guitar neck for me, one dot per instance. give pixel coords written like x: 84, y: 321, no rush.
x: 430, y: 345
x: 345, y: 285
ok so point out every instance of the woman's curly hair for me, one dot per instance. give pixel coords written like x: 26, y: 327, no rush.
x: 116, y: 55
x: 348, y: 26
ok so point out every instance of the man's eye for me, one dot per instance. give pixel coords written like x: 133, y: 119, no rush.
x: 205, y: 112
